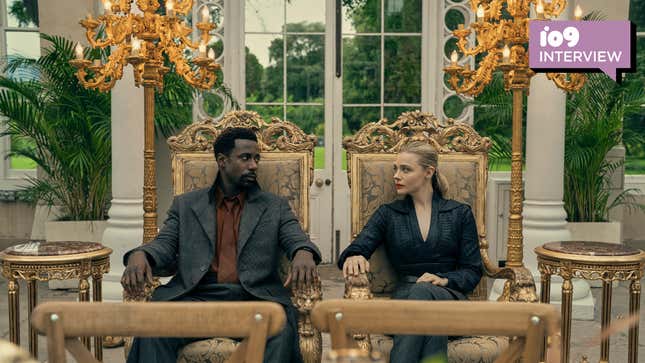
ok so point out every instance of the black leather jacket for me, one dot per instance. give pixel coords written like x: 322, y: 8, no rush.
x: 451, y: 249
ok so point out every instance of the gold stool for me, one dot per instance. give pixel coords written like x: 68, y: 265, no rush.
x: 43, y: 261
x: 593, y: 261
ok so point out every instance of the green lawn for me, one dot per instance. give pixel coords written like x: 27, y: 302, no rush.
x: 21, y: 162
x: 319, y: 158
x: 634, y: 166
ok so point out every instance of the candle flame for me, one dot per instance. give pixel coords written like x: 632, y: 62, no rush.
x: 578, y: 12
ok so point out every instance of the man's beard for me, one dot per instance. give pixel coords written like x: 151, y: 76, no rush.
x: 247, y: 180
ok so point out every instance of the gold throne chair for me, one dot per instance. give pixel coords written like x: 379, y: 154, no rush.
x: 286, y: 170
x: 463, y: 160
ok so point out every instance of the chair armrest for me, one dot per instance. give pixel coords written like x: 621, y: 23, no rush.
x: 144, y: 295
x: 304, y: 299
x: 359, y: 288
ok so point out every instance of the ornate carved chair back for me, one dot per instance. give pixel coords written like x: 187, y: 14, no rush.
x: 286, y: 166
x: 285, y: 169
x: 463, y: 160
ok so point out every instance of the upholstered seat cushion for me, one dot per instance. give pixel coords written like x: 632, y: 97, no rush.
x: 478, y: 349
x: 214, y: 350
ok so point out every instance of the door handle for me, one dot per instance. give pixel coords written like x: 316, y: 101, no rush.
x: 319, y: 182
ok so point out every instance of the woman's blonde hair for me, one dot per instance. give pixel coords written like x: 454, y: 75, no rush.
x: 428, y: 157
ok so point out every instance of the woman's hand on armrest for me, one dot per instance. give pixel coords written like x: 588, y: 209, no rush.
x: 355, y: 265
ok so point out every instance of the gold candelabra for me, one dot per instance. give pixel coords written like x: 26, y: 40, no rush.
x: 502, y: 33
x: 144, y: 40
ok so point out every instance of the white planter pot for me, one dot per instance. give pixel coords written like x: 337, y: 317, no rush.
x: 596, y: 232
x: 86, y: 231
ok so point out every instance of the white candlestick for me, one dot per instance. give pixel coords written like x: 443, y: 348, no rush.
x: 78, y: 50
x: 202, y: 50
x: 206, y: 15
x: 454, y: 57
x: 107, y: 5
x: 480, y: 13
x: 136, y: 47
x: 170, y: 8
x: 506, y: 54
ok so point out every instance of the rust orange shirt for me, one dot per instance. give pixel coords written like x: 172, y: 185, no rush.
x: 228, y: 215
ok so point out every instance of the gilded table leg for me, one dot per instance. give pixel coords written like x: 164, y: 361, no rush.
x: 14, y: 311
x: 32, y: 287
x: 97, y: 297
x: 545, y: 297
x: 84, y: 295
x: 634, y: 310
x: 605, y: 320
x: 567, y: 292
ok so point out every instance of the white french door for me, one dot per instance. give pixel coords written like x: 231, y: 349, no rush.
x: 330, y: 66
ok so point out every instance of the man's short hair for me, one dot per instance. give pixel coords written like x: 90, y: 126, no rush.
x: 225, y: 142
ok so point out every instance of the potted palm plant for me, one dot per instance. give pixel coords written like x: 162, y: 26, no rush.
x: 594, y: 126
x: 66, y: 132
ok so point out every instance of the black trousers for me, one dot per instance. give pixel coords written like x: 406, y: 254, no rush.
x: 282, y: 348
x: 414, y: 348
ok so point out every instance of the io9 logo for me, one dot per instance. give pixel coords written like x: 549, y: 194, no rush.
x: 555, y: 38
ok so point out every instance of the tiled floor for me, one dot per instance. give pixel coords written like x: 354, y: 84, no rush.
x: 583, y: 332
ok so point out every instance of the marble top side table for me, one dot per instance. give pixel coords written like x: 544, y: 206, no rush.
x: 593, y: 261
x: 43, y: 261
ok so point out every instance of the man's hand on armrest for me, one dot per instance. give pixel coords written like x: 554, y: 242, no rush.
x: 303, y: 268
x: 137, y: 273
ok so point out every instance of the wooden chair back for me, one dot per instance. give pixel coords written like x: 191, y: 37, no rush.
x: 528, y: 323
x: 64, y: 322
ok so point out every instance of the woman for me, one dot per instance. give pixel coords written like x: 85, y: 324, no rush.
x: 431, y: 242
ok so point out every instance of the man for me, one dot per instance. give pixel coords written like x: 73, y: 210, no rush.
x: 225, y: 242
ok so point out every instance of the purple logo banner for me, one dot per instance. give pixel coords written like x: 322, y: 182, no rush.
x: 580, y: 46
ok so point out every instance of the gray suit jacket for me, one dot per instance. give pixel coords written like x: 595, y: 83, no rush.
x: 187, y: 243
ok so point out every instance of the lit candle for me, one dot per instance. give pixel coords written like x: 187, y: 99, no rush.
x: 78, y: 50
x: 107, y: 5
x: 577, y: 13
x: 506, y: 54
x: 206, y: 15
x: 136, y: 47
x: 211, y: 54
x: 202, y: 49
x: 170, y: 8
x: 539, y: 9
x: 480, y: 13
x: 454, y: 57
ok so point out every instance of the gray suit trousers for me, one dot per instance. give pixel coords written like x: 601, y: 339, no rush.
x: 279, y: 348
